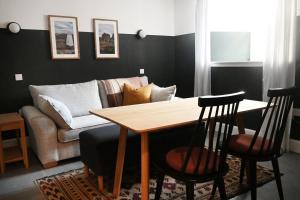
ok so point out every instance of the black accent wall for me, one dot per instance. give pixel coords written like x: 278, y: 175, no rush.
x: 28, y: 53
x: 185, y: 64
x: 166, y: 59
x: 233, y: 79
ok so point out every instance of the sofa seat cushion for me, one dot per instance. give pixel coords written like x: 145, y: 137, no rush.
x: 86, y: 121
x: 79, y: 98
x: 81, y: 124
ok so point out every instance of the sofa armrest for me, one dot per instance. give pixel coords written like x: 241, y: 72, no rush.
x: 42, y: 133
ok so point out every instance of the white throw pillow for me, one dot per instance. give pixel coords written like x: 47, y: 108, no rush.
x: 56, y: 110
x: 80, y: 98
x: 162, y: 93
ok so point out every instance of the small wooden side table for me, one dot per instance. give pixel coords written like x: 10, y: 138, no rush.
x: 13, y: 121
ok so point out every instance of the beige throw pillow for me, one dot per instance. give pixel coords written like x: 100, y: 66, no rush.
x: 56, y: 110
x: 162, y: 93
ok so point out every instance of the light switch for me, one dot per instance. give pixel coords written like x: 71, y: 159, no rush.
x: 19, y: 77
x: 142, y: 71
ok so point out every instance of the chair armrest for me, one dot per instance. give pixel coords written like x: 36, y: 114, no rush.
x: 42, y: 133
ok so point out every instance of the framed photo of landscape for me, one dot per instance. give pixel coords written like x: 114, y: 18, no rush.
x: 106, y: 38
x: 64, y: 37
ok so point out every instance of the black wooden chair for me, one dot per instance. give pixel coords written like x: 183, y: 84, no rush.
x: 265, y: 147
x: 197, y: 162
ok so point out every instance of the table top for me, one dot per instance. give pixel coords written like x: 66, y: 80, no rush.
x: 10, y: 118
x: 166, y: 114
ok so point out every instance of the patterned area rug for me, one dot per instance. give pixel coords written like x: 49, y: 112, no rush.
x: 73, y: 185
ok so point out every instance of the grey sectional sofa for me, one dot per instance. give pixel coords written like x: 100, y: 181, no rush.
x: 52, y: 142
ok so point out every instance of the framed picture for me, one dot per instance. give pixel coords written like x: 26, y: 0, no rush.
x: 106, y: 38
x: 64, y: 37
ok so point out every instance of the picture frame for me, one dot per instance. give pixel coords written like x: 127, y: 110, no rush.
x: 106, y: 38
x: 64, y: 37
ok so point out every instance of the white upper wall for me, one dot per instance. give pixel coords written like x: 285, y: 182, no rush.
x: 156, y: 17
x: 185, y: 16
x: 298, y: 7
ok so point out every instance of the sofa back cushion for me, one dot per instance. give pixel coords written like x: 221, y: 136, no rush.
x: 111, y: 90
x: 79, y: 98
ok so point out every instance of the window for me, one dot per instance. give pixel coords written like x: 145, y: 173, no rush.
x: 238, y: 29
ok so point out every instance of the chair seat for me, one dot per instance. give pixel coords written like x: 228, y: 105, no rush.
x: 175, y: 159
x: 240, y: 144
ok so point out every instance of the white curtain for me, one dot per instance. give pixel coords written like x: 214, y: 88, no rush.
x: 279, y: 63
x: 202, y: 84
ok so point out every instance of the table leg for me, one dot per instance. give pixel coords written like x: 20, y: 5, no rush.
x: 24, y: 146
x: 2, y: 166
x: 145, y: 166
x: 120, y: 161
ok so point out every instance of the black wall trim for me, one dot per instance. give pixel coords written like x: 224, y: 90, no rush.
x: 185, y: 64
x: 166, y: 59
x: 28, y: 53
x: 297, y: 74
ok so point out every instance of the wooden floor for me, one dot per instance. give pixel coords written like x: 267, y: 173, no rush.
x: 17, y: 182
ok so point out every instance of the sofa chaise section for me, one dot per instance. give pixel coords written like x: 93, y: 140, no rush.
x: 48, y: 142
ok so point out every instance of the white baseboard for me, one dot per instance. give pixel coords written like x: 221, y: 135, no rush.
x: 295, y: 146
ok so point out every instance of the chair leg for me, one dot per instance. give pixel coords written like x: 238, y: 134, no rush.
x: 190, y: 191
x: 222, y: 190
x: 213, y: 192
x: 277, y: 177
x: 242, y: 170
x: 100, y: 183
x: 253, y: 179
x: 159, y: 185
x: 86, y: 171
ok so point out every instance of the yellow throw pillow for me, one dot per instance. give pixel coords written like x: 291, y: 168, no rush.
x: 136, y: 96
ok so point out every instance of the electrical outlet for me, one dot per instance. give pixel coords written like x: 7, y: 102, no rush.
x: 142, y: 71
x: 19, y: 77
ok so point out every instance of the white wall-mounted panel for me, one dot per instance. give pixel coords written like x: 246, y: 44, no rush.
x: 156, y: 17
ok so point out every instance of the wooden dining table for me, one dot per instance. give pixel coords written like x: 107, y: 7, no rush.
x: 145, y: 119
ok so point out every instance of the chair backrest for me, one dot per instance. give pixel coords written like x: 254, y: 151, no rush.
x: 221, y: 109
x: 275, y: 119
